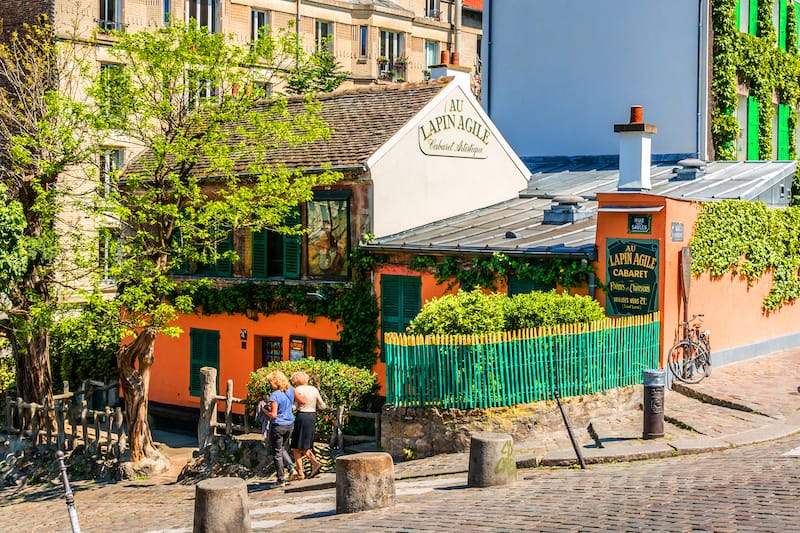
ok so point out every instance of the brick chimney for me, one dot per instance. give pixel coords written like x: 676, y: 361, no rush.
x: 634, y: 152
x: 449, y: 67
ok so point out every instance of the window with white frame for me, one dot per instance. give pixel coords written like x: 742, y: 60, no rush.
x: 111, y: 160
x: 205, y: 13
x: 431, y: 54
x: 108, y: 251
x: 259, y: 23
x: 363, y: 44
x: 110, y: 15
x: 391, y: 47
x: 432, y: 9
x: 200, y: 91
x: 323, y: 35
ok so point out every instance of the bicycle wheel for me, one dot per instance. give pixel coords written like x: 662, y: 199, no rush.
x: 688, y: 361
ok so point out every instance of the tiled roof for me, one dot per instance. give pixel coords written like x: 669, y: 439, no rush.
x: 362, y: 120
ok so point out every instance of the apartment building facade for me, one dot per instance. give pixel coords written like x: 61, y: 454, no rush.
x: 719, y: 77
x: 374, y: 40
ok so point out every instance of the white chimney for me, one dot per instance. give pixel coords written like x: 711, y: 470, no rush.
x: 634, y: 152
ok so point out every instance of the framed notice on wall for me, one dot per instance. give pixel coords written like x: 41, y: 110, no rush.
x: 631, y: 276
x: 297, y: 347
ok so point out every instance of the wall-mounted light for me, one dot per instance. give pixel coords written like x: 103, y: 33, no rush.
x: 243, y: 334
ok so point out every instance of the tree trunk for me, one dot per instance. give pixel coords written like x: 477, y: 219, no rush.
x: 32, y: 359
x: 134, y: 361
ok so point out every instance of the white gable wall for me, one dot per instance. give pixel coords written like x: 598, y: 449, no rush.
x: 558, y: 75
x: 411, y: 187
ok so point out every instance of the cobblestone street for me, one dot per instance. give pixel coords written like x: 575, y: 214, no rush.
x: 753, y: 488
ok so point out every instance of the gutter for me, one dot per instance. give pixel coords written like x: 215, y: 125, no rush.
x: 588, y: 252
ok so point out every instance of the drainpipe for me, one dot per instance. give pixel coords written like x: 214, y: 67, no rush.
x: 457, y: 36
x: 486, y: 72
x: 297, y: 35
x: 703, y: 29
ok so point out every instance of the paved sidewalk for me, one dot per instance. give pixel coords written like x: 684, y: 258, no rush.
x: 739, y: 404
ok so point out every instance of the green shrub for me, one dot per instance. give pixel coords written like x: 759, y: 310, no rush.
x: 460, y: 314
x: 7, y: 374
x: 338, y: 383
x: 84, y: 345
x: 536, y: 309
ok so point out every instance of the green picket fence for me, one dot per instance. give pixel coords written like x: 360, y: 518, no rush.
x: 512, y: 368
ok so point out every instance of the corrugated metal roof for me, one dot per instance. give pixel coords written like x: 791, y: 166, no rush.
x: 484, y: 231
x: 723, y: 180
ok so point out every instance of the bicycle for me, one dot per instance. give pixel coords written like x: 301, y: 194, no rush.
x: 689, y: 359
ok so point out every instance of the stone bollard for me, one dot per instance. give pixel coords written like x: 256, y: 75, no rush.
x: 220, y: 506
x: 491, y: 460
x: 364, y: 481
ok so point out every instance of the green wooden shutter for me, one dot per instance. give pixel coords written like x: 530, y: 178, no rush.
x: 738, y: 14
x: 259, y: 241
x: 753, y: 18
x: 203, y: 351
x: 412, y: 300
x: 183, y: 269
x: 519, y: 286
x: 796, y: 6
x: 390, y: 303
x: 752, y: 129
x: 782, y: 25
x: 224, y: 266
x: 292, y: 248
x: 783, y: 132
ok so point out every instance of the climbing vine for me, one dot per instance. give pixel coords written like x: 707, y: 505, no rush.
x: 749, y: 240
x: 352, y: 303
x: 762, y: 65
x: 484, y: 272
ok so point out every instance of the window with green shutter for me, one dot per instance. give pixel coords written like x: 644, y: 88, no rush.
x: 276, y: 255
x: 401, y: 301
x: 752, y: 27
x: 782, y: 24
x: 752, y: 129
x: 223, y: 266
x: 783, y: 132
x: 203, y: 351
x: 747, y: 16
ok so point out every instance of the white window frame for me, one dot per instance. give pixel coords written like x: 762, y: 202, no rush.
x: 363, y: 41
x: 258, y: 19
x: 432, y: 53
x: 112, y: 21
x: 433, y: 9
x: 392, y: 46
x: 111, y: 159
x: 212, y: 11
x: 323, y: 29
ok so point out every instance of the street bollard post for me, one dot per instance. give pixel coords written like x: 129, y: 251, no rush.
x: 654, y: 383
x: 73, y: 514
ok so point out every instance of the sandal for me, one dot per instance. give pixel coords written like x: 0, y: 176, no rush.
x: 315, y: 469
x: 297, y: 477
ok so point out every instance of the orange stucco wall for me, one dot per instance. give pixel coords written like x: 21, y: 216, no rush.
x: 170, y: 378
x: 732, y: 309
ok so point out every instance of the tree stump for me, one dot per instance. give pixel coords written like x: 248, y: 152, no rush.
x: 220, y: 506
x: 491, y: 460
x: 364, y: 481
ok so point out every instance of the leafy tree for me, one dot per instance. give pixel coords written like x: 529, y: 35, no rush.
x: 319, y: 72
x: 188, y: 99
x: 45, y: 127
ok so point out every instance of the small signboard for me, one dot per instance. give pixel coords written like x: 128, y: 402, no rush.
x: 632, y: 276
x: 297, y: 347
x: 640, y: 223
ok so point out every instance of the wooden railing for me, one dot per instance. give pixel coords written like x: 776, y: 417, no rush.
x: 69, y: 421
x: 208, y: 424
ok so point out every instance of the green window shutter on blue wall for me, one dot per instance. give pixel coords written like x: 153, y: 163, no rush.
x: 783, y: 132
x: 752, y: 129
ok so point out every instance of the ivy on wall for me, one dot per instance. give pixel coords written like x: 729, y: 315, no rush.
x: 352, y: 303
x: 761, y: 65
x: 748, y: 239
x: 484, y: 272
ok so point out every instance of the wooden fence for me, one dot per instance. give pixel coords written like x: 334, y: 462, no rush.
x: 69, y: 421
x: 512, y: 368
x: 209, y: 425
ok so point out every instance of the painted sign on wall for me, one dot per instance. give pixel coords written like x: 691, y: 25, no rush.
x: 631, y: 276
x: 456, y: 132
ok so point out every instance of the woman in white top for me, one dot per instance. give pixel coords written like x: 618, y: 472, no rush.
x: 307, y: 400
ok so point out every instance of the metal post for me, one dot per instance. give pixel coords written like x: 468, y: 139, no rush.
x: 73, y: 514
x: 569, y: 430
x: 653, y: 420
